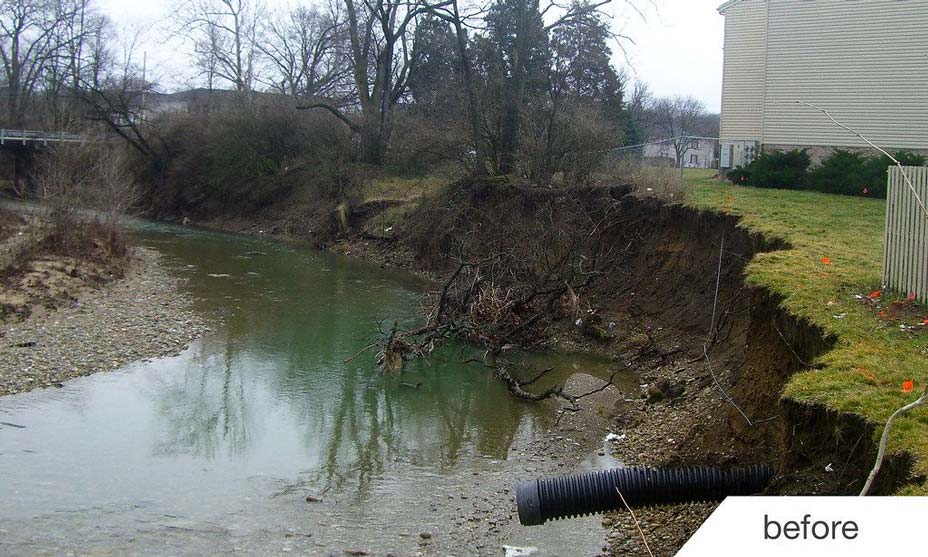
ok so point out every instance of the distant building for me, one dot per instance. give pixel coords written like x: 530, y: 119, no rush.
x: 205, y: 101
x: 866, y: 62
x: 702, y: 152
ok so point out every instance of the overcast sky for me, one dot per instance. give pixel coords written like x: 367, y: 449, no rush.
x: 677, y: 47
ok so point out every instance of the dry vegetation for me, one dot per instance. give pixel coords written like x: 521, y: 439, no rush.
x: 663, y: 182
x: 72, y: 241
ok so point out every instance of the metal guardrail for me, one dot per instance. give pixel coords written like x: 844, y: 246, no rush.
x: 25, y: 137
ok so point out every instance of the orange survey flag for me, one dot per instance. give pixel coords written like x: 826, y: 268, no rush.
x: 826, y: 261
x: 907, y: 386
x: 875, y: 294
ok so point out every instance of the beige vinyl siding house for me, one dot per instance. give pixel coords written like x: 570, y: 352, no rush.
x: 865, y: 61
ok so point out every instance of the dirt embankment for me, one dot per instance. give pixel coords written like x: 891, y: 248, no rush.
x: 713, y: 352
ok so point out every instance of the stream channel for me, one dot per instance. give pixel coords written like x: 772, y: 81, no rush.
x: 215, y: 451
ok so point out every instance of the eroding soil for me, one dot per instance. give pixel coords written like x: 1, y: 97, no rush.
x: 713, y: 352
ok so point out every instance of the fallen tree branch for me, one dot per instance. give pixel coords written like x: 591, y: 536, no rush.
x: 535, y: 379
x: 359, y: 352
x: 881, y: 453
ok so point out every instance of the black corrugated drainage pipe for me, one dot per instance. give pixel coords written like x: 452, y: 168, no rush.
x: 596, y: 492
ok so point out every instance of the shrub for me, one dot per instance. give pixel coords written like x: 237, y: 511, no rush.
x: 422, y: 140
x: 843, y: 172
x: 780, y: 169
x: 241, y: 159
x: 663, y: 182
x: 853, y: 174
x: 874, y: 171
x: 567, y: 141
x: 740, y: 176
x: 85, y: 190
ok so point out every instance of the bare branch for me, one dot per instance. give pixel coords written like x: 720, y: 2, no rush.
x: 881, y: 453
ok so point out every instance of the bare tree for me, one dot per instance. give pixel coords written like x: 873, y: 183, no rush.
x: 382, y: 58
x: 84, y: 35
x: 224, y: 34
x: 680, y: 120
x: 30, y: 40
x: 451, y: 13
x: 307, y: 53
x: 113, y: 96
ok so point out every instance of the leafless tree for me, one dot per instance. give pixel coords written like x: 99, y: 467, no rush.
x: 84, y: 37
x: 224, y: 34
x: 307, y: 52
x: 460, y: 20
x: 382, y: 58
x: 114, y: 96
x: 31, y: 38
x: 680, y: 120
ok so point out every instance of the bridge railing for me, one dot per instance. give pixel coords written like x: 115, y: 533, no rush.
x: 36, y: 136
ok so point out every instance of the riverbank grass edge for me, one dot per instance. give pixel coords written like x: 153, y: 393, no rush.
x: 830, y: 275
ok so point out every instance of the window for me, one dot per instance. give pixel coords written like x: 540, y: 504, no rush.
x: 694, y: 159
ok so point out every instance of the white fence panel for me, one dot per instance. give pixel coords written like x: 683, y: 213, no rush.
x: 905, y: 255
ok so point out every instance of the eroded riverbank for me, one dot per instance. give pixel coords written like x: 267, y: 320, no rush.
x: 713, y: 352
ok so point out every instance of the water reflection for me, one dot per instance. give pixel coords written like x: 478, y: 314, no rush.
x: 260, y: 409
x: 205, y: 410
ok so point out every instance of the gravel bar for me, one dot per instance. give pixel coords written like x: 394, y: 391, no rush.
x: 144, y: 315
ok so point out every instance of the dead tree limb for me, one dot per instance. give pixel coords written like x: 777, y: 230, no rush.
x: 881, y: 453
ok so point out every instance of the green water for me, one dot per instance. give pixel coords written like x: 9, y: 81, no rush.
x: 215, y: 450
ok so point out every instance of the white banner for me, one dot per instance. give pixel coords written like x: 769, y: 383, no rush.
x: 799, y: 526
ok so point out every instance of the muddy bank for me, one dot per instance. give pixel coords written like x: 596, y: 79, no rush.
x: 143, y: 315
x: 713, y: 352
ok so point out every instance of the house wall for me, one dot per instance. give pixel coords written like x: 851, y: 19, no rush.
x: 743, y: 71
x: 865, y: 61
x: 818, y: 153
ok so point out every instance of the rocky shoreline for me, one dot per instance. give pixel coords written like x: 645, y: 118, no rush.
x: 143, y: 315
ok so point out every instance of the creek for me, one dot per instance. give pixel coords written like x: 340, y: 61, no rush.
x: 216, y: 450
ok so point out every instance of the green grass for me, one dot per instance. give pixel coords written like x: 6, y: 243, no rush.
x: 863, y: 374
x: 393, y: 188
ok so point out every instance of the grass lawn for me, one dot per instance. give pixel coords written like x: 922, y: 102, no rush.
x: 873, y: 355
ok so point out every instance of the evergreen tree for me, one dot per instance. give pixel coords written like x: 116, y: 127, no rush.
x: 581, y: 69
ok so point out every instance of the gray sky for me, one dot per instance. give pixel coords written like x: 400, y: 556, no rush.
x: 677, y: 48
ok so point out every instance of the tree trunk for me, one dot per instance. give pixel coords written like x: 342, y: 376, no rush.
x: 473, y: 109
x: 374, y: 134
x: 514, y: 92
x: 511, y: 123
